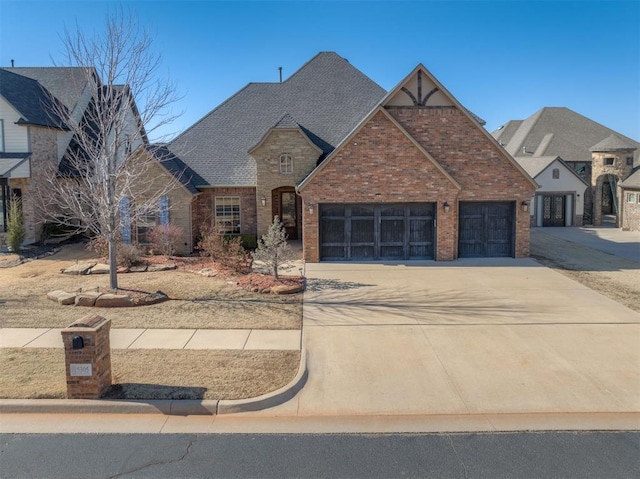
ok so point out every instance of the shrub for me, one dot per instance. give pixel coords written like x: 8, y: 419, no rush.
x: 249, y: 242
x: 166, y: 238
x: 128, y: 255
x: 99, y: 245
x: 15, y: 225
x: 226, y: 250
x: 211, y: 242
x: 273, y: 249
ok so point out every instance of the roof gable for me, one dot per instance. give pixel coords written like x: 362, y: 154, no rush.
x: 287, y: 123
x: 536, y: 165
x: 354, y: 133
x: 429, y: 92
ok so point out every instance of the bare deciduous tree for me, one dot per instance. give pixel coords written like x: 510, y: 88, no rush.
x: 107, y: 179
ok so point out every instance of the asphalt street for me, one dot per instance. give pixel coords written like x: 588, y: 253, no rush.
x: 495, y: 455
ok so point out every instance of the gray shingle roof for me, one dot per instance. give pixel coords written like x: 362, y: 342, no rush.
x: 613, y: 143
x: 633, y: 180
x: 534, y: 165
x: 286, y: 122
x: 65, y: 83
x: 327, y: 97
x: 174, y: 165
x: 35, y: 104
x: 555, y: 131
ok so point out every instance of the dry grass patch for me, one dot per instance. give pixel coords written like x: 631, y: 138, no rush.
x: 154, y: 374
x: 197, y: 302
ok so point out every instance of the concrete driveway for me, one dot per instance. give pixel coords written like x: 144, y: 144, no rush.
x: 467, y: 337
x: 610, y: 240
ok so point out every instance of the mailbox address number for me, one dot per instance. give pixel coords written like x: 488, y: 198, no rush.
x: 80, y: 369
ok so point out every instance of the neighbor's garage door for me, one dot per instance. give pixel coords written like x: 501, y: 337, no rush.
x: 365, y: 232
x: 486, y: 229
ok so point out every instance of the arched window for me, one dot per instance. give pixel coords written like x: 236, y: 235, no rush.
x: 286, y: 164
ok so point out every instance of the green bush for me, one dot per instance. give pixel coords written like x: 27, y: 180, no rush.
x: 15, y: 225
x: 249, y: 242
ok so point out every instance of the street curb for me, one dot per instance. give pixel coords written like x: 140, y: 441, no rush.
x: 166, y: 407
x: 271, y: 399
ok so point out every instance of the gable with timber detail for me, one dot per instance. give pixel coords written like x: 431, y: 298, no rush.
x: 418, y: 91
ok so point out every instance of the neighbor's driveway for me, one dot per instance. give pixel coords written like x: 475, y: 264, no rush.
x: 610, y: 240
x: 471, y: 336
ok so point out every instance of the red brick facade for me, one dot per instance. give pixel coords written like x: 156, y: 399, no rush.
x: 204, y: 208
x: 380, y: 164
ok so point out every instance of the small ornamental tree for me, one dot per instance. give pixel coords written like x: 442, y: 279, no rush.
x: 273, y: 249
x: 15, y: 225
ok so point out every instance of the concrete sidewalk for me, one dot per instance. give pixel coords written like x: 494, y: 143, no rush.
x: 610, y: 240
x: 238, y: 339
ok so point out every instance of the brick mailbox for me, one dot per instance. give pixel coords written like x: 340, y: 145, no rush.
x: 87, y: 355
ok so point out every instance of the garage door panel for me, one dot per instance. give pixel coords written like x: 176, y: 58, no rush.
x: 485, y: 229
x: 377, y: 232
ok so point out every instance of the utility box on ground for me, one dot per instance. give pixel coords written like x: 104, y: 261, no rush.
x: 87, y: 354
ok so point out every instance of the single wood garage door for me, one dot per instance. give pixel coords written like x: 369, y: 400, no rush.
x: 365, y: 232
x: 486, y: 229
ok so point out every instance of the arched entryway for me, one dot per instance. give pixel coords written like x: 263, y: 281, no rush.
x: 605, y: 204
x: 287, y: 205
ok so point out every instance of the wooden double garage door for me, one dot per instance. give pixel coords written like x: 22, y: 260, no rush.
x: 366, y: 232
x: 369, y: 232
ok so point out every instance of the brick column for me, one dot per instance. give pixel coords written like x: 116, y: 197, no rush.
x: 87, y: 355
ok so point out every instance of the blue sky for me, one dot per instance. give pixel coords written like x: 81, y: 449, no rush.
x: 502, y: 60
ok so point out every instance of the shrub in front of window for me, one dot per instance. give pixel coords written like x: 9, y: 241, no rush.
x: 226, y: 250
x: 165, y: 239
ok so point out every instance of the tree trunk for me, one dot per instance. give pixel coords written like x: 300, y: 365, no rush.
x: 113, y: 264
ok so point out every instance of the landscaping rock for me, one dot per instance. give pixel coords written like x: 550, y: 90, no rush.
x: 62, y: 297
x: 109, y: 300
x: 122, y: 269
x: 208, y: 272
x: 100, y: 268
x: 287, y: 289
x: 67, y: 299
x: 87, y: 299
x: 154, y: 298
x: 139, y: 268
x: 152, y: 268
x: 79, y: 268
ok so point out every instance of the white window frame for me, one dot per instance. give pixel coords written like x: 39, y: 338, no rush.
x: 228, y: 221
x: 144, y: 224
x: 631, y: 197
x: 286, y: 164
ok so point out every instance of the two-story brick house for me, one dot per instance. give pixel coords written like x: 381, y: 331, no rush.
x: 355, y: 172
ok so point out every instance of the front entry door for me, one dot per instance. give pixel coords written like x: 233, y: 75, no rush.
x: 553, y: 208
x: 289, y: 214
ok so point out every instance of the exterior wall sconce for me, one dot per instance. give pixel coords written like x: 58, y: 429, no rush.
x: 310, y: 208
x: 263, y: 201
x: 446, y: 207
x: 525, y: 206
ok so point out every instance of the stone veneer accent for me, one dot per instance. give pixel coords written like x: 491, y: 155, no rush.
x: 630, y: 212
x: 267, y: 155
x: 619, y: 169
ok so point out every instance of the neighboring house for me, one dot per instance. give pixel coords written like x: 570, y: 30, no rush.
x: 559, y: 199
x: 31, y: 135
x: 582, y: 144
x: 36, y: 107
x: 357, y: 173
x: 630, y: 202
